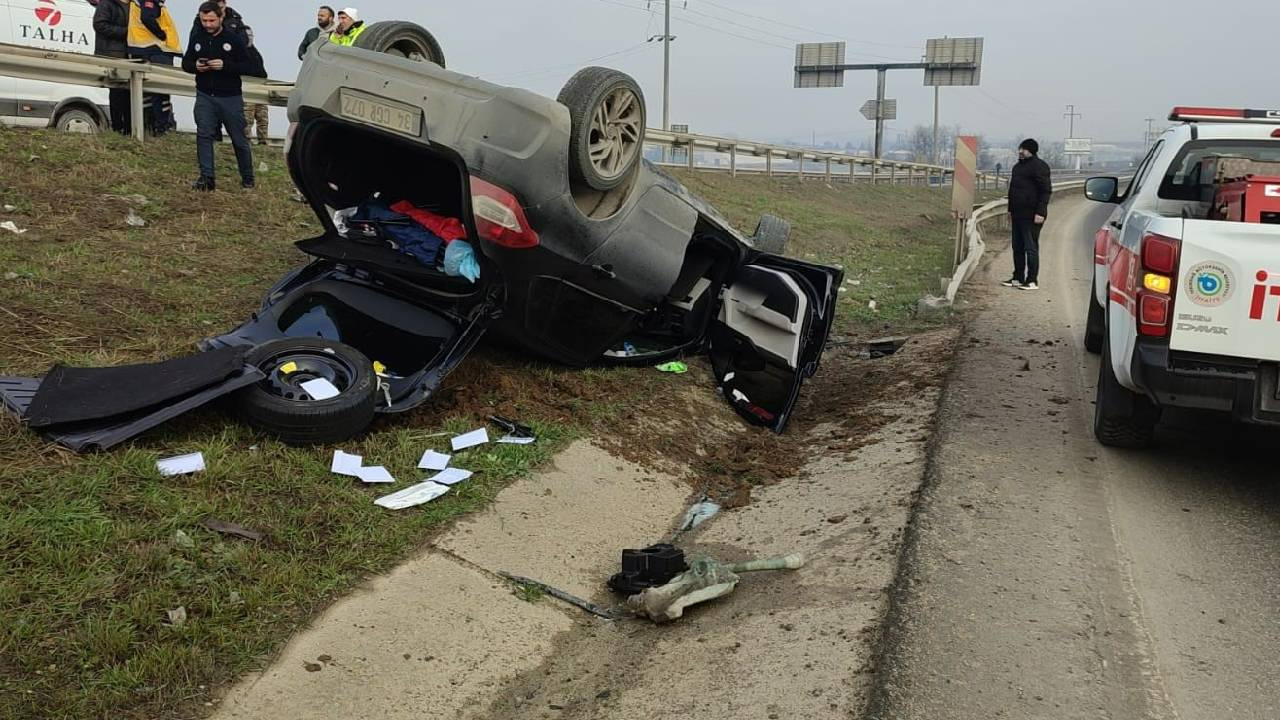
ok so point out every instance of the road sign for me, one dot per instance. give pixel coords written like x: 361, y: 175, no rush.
x: 962, y: 190
x: 1077, y: 146
x: 682, y: 129
x: 953, y: 61
x: 890, y: 110
x: 817, y: 63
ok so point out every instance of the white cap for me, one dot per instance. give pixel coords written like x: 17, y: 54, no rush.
x: 352, y: 13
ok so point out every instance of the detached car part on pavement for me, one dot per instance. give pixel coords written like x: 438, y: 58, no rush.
x: 582, y: 245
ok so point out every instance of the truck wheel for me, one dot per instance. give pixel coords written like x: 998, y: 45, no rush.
x: 402, y: 39
x: 279, y: 406
x: 1095, y: 328
x: 1121, y: 417
x: 772, y: 233
x: 76, y: 120
x: 606, y: 132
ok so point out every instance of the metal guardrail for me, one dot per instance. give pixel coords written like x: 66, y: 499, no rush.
x: 77, y: 69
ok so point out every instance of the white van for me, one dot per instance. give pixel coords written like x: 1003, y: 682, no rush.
x: 64, y: 26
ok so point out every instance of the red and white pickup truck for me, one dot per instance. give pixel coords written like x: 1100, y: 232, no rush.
x: 1185, y: 306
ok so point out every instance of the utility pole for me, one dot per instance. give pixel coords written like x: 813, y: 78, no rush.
x: 666, y: 68
x: 936, y: 88
x: 1071, y: 113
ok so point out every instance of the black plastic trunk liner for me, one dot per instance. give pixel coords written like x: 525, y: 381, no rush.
x: 75, y: 395
x: 17, y: 394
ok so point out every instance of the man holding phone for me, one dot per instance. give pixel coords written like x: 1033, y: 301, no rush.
x: 218, y: 57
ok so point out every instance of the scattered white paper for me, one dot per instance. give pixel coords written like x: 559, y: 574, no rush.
x: 471, y: 439
x: 452, y: 476
x: 181, y: 465
x: 321, y: 389
x: 133, y: 219
x: 740, y: 396
x: 344, y: 464
x: 432, y: 460
x: 410, y: 496
x: 10, y: 208
x: 375, y: 474
x: 8, y: 225
x: 513, y: 440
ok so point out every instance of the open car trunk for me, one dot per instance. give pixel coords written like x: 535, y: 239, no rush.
x: 339, y: 166
x: 770, y: 333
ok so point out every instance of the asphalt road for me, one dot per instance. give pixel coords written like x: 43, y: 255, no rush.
x: 1049, y: 577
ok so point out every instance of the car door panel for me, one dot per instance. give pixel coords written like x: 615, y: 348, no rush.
x: 772, y: 326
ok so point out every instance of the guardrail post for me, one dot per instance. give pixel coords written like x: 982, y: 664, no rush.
x: 893, y: 174
x: 689, y: 153
x: 875, y: 173
x: 800, y: 165
x: 733, y: 161
x: 768, y: 163
x: 135, y: 105
x: 828, y: 169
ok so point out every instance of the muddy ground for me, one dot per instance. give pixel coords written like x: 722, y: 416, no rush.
x: 444, y: 636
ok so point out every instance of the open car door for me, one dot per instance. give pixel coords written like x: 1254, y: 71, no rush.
x: 770, y: 334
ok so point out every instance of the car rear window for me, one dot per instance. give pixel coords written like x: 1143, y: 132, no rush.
x: 1184, y: 179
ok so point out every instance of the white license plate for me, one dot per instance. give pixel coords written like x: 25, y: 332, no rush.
x: 392, y: 116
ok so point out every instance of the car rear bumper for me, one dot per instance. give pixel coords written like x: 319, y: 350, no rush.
x: 1246, y: 389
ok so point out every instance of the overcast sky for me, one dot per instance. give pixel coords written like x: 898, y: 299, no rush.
x: 1118, y: 62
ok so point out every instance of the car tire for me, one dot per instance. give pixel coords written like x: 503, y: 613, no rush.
x: 402, y: 39
x: 1121, y: 417
x: 607, y: 113
x: 1095, y: 327
x: 77, y: 120
x: 279, y: 407
x: 772, y: 233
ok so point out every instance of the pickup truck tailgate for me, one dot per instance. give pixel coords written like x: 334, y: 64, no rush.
x: 1227, y: 300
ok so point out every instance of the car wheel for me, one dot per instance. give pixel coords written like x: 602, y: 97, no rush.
x: 1121, y: 417
x: 772, y: 233
x: 1095, y: 327
x: 279, y: 406
x: 77, y: 120
x: 607, y: 121
x: 402, y: 39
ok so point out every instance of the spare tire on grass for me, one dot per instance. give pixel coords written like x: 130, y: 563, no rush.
x: 772, y: 233
x: 402, y: 39
x: 279, y: 406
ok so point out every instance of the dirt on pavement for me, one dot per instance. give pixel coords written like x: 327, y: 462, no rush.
x: 443, y: 636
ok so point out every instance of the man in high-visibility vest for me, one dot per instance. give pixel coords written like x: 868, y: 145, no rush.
x: 349, y: 27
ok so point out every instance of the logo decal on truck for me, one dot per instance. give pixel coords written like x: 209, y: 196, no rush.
x: 1209, y: 284
x: 1260, y: 293
x: 48, y: 13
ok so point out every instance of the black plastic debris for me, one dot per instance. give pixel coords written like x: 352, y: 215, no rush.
x: 653, y: 566
x: 884, y: 347
x: 513, y: 428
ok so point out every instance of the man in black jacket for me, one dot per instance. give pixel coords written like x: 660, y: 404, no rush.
x: 1030, y: 186
x: 218, y: 56
x: 111, y: 39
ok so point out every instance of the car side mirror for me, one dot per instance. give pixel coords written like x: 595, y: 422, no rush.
x: 1102, y: 189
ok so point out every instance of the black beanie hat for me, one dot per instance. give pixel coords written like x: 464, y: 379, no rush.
x: 1030, y: 146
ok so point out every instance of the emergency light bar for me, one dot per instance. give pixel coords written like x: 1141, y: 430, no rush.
x: 1208, y: 114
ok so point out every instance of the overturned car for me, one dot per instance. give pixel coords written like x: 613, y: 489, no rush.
x: 580, y: 250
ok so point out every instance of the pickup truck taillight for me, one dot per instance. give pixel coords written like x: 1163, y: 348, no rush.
x: 499, y: 217
x: 1158, y: 282
x: 1101, y: 243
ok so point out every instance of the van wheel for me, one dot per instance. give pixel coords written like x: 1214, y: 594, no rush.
x: 607, y: 121
x: 279, y: 406
x: 772, y: 233
x: 402, y: 39
x: 1121, y: 417
x: 1095, y: 328
x: 77, y: 120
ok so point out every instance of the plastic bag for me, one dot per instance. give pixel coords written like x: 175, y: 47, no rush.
x: 460, y: 261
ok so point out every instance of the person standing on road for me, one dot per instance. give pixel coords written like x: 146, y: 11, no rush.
x: 111, y: 35
x: 349, y: 27
x: 1030, y: 185
x: 218, y: 57
x: 325, y: 25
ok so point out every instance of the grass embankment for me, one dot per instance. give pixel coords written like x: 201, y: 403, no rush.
x: 95, y: 550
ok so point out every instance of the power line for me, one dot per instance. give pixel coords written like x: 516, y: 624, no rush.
x: 790, y: 38
x: 553, y: 68
x: 806, y: 29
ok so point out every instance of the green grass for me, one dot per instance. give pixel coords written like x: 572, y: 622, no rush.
x: 96, y: 550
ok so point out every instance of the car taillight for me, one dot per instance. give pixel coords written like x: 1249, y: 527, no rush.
x: 499, y: 217
x: 1155, y: 294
